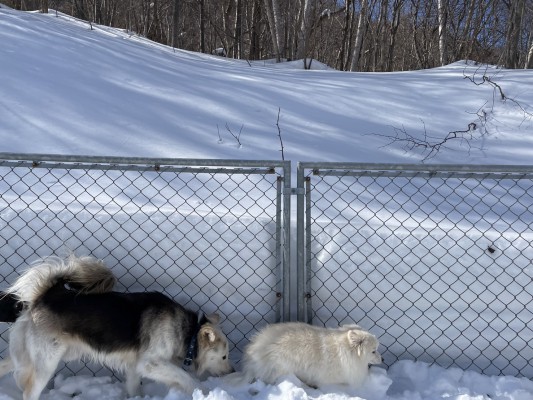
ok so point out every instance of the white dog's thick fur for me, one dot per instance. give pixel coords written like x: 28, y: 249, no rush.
x: 71, y: 313
x: 317, y: 356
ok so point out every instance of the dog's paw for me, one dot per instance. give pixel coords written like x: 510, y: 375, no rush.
x: 203, y: 389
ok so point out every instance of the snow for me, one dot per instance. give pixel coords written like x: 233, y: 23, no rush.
x: 67, y: 89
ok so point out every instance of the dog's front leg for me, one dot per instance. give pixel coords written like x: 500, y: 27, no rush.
x: 6, y: 366
x: 133, y: 382
x: 168, y: 373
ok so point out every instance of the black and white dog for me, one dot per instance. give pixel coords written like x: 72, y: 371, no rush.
x: 70, y: 312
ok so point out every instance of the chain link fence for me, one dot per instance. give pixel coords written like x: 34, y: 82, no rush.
x: 209, y: 234
x: 435, y: 261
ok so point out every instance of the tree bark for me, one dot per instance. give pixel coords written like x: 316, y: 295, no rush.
x: 280, y: 29
x: 202, y: 26
x: 237, y: 46
x: 175, y: 22
x: 303, y: 33
x: 359, y: 36
x: 255, y: 43
x: 443, y: 15
x: 395, y: 23
x: 529, y: 60
x: 514, y: 24
x: 344, y: 49
x: 273, y: 29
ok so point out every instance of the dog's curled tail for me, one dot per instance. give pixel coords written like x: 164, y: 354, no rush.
x: 84, y: 274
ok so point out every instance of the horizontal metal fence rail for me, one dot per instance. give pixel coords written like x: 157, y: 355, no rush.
x: 210, y: 233
x: 434, y: 260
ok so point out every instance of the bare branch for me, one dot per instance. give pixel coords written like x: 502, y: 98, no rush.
x: 279, y: 134
x: 497, y: 90
x: 219, y: 137
x: 429, y: 143
x: 237, y: 137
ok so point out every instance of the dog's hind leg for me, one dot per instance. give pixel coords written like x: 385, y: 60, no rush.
x: 168, y: 373
x: 38, y: 378
x: 6, y: 366
x: 33, y: 374
x: 34, y: 380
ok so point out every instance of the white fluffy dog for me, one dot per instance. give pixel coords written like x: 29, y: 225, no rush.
x: 317, y: 356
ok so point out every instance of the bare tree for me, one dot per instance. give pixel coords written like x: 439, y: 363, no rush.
x: 395, y: 24
x: 255, y: 30
x: 303, y: 33
x: 237, y: 46
x: 279, y: 29
x: 529, y: 61
x: 359, y: 36
x: 516, y: 12
x: 175, y: 22
x: 529, y: 58
x: 443, y: 16
x: 345, y: 47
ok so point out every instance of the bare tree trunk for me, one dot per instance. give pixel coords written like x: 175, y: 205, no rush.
x: 443, y: 14
x: 419, y: 51
x: 280, y: 29
x: 237, y: 47
x: 97, y: 13
x: 175, y: 21
x: 529, y: 61
x: 350, y: 41
x: 146, y: 22
x: 467, y: 37
x: 130, y: 17
x: 514, y: 25
x: 395, y: 23
x: 359, y: 36
x: 273, y: 29
x: 303, y: 34
x: 341, y: 57
x: 255, y: 31
x: 202, y: 26
x: 227, y: 27
x: 44, y: 6
x: 382, y: 38
x: 529, y: 57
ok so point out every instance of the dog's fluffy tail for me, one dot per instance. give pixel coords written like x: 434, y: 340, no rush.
x: 83, y: 274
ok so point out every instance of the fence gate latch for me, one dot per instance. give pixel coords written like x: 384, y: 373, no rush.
x: 297, y: 191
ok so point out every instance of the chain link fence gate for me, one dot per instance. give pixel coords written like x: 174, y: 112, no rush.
x: 210, y: 233
x: 436, y: 261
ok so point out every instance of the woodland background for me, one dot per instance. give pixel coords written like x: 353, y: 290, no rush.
x: 350, y: 35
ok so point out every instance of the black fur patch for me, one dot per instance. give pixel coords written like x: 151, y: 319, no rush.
x: 10, y: 307
x: 108, y: 321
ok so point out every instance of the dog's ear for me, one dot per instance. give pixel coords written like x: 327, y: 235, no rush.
x: 357, y: 339
x: 213, y: 318
x: 208, y: 334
